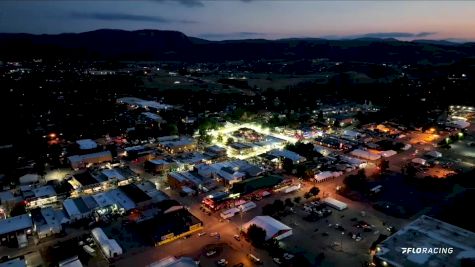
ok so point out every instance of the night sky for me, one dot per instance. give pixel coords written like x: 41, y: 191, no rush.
x: 243, y: 19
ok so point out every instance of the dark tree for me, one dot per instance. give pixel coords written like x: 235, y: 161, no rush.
x: 268, y: 209
x: 288, y: 202
x: 314, y: 191
x: 297, y: 200
x: 384, y: 165
x: 278, y: 205
x: 287, y: 165
x: 256, y: 235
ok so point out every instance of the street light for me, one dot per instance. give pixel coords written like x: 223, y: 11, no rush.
x: 341, y: 240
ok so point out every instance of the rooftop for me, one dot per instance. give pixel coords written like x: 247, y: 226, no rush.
x: 86, y: 144
x: 16, y: 223
x: 427, y: 232
x: 134, y: 193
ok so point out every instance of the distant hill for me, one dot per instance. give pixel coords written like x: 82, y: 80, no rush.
x: 173, y: 45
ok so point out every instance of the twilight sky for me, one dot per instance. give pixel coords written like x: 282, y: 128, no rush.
x: 240, y: 19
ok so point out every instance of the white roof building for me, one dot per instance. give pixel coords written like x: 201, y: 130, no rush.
x: 274, y: 228
x: 109, y: 247
x: 365, y: 154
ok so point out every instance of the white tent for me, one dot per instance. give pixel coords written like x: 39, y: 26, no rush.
x: 274, y: 228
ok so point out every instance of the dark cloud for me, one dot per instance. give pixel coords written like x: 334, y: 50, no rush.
x: 221, y: 36
x: 187, y: 3
x: 125, y: 17
x: 397, y: 34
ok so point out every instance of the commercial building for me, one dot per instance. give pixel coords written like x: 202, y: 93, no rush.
x: 287, y: 154
x: 134, y: 102
x: 364, y: 154
x: 160, y: 165
x: 47, y: 221
x: 81, y: 161
x: 274, y: 228
x: 177, y: 180
x: 432, y: 243
x: 169, y: 225
x: 179, y: 145
x: 14, y: 230
x: 40, y: 196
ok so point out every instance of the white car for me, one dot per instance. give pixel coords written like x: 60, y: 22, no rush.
x: 210, y: 253
x: 222, y: 262
x: 288, y: 256
x: 213, y: 234
x: 277, y: 261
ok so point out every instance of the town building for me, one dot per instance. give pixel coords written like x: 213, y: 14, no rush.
x: 15, y: 230
x: 81, y: 161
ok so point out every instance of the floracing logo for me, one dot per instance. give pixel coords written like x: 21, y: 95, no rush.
x: 427, y: 250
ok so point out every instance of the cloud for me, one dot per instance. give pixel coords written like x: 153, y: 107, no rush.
x: 125, y: 17
x: 187, y: 3
x: 397, y: 34
x: 232, y: 35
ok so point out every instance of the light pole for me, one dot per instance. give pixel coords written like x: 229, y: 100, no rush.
x: 341, y: 240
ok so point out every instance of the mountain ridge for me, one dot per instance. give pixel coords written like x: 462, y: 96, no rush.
x: 151, y: 44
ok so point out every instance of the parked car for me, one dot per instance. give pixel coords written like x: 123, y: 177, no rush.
x: 210, y: 253
x: 222, y: 262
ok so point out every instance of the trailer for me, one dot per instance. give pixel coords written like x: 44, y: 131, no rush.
x: 110, y: 248
x: 229, y: 213
x: 336, y: 204
x: 292, y: 188
x: 247, y: 206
